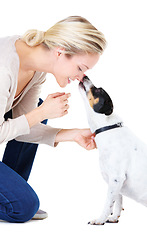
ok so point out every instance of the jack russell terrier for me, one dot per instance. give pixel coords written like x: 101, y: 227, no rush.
x: 123, y: 157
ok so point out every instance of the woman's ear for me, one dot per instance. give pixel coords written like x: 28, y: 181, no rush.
x: 59, y: 51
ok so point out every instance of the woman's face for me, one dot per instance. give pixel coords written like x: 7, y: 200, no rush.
x: 70, y: 68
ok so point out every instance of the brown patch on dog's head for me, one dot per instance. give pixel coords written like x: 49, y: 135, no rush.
x: 92, y: 101
x: 100, y: 101
x: 98, y: 98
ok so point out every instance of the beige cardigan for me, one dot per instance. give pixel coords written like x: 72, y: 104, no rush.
x: 18, y: 127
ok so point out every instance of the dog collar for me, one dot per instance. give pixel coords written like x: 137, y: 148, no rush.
x: 103, y: 129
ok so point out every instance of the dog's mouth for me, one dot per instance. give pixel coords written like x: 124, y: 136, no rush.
x: 82, y: 86
x: 85, y: 82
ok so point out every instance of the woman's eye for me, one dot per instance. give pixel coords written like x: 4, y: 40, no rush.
x: 80, y: 69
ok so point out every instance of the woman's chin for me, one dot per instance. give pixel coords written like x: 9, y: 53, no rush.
x: 62, y: 85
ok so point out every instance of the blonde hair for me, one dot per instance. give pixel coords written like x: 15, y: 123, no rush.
x: 75, y: 34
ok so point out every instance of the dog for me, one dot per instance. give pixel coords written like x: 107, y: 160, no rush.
x: 122, y: 156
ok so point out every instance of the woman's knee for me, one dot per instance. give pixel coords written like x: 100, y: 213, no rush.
x: 26, y: 207
x: 29, y: 207
x: 18, y: 201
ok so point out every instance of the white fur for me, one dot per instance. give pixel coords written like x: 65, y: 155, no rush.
x: 123, y: 163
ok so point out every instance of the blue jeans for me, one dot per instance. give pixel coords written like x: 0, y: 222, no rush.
x: 18, y: 201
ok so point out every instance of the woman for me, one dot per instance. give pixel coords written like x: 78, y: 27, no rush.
x: 66, y: 50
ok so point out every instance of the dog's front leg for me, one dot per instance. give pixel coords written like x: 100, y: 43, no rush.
x: 117, y: 210
x: 115, y: 185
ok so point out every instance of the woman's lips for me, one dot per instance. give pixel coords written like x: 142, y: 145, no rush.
x: 69, y: 80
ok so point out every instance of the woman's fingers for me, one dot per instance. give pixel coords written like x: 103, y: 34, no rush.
x: 56, y: 105
x: 57, y: 94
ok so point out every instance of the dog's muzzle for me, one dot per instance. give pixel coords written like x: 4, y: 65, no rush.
x: 85, y: 83
x: 82, y: 85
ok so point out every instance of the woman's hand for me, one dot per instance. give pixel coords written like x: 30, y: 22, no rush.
x: 55, y: 105
x: 83, y: 137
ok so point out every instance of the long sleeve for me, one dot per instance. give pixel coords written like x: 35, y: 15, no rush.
x: 11, y: 128
x: 18, y: 127
x: 40, y: 133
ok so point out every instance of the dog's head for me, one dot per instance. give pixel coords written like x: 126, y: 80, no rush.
x: 98, y: 99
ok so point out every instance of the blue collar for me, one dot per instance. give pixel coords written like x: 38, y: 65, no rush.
x: 103, y: 129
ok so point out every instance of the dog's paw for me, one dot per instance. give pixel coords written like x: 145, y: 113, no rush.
x: 112, y: 219
x: 96, y: 222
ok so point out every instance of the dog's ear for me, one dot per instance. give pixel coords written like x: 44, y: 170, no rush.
x: 97, y: 106
x: 107, y: 108
x: 104, y: 105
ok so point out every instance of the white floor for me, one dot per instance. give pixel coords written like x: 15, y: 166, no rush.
x: 72, y: 191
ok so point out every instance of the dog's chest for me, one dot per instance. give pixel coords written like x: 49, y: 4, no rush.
x: 122, y: 154
x: 114, y: 152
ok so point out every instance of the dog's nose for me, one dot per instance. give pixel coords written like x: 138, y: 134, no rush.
x: 85, y: 78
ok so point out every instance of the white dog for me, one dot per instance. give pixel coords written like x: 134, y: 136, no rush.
x: 123, y: 157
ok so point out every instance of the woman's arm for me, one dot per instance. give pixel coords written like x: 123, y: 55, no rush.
x: 50, y: 108
x: 83, y: 137
x: 24, y: 126
x: 54, y: 106
x: 11, y: 128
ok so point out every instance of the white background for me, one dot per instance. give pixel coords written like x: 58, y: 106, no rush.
x: 67, y: 179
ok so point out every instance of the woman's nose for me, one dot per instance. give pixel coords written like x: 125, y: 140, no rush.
x: 80, y: 78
